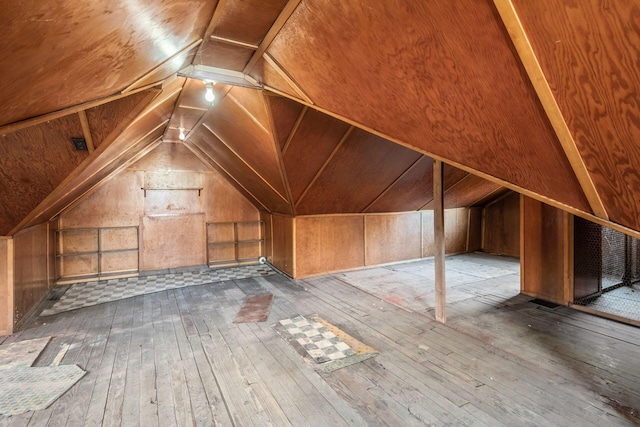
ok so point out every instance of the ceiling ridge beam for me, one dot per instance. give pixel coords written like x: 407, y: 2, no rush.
x: 325, y: 164
x: 395, y: 181
x: 534, y: 70
x: 276, y: 145
x: 292, y: 83
x: 282, y: 19
x: 12, y: 127
x: 204, y: 125
x: 162, y: 64
x: 294, y: 129
x: 207, y: 159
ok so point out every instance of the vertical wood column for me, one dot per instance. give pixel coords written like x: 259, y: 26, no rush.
x: 439, y: 249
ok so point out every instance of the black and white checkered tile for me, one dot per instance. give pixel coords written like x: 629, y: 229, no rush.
x: 319, y: 343
x: 91, y: 293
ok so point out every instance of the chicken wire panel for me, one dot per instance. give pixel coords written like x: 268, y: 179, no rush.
x: 606, y: 270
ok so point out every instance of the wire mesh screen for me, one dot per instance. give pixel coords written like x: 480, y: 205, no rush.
x: 606, y: 270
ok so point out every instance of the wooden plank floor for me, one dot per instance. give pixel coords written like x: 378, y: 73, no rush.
x: 176, y: 358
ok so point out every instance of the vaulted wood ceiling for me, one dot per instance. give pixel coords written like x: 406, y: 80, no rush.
x: 345, y: 104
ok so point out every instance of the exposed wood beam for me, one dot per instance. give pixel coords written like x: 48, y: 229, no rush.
x: 86, y: 130
x: 294, y: 85
x: 215, y: 19
x: 207, y: 159
x: 220, y: 75
x: 540, y: 83
x: 286, y: 12
x: 274, y: 139
x: 245, y: 163
x: 232, y: 42
x: 325, y: 164
x: 395, y: 181
x: 12, y: 127
x: 162, y: 64
x: 439, y: 242
x: 293, y: 131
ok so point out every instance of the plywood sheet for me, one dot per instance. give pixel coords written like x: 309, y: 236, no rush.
x: 78, y: 266
x: 440, y: 76
x: 248, y: 20
x: 222, y: 202
x: 391, y: 238
x: 223, y: 55
x: 284, y: 112
x: 501, y: 228
x: 589, y: 53
x: 172, y: 241
x: 329, y: 243
x: 31, y: 281
x: 170, y: 157
x: 362, y: 168
x: 283, y: 243
x: 6, y: 286
x: 455, y: 229
x: 75, y: 241
x: 118, y: 238
x: 113, y: 262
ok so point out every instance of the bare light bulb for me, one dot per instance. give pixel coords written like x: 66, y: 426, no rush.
x: 209, y: 95
x: 182, y: 135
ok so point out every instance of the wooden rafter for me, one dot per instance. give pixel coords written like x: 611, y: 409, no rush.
x: 86, y: 130
x: 325, y: 164
x: 292, y: 83
x: 162, y: 64
x: 215, y: 19
x: 12, y: 127
x: 232, y: 42
x: 245, y: 163
x: 293, y: 131
x: 279, y: 153
x: 540, y: 83
x: 395, y: 181
x: 286, y: 12
x: 207, y: 159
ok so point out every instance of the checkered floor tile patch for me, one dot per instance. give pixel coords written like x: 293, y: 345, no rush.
x: 21, y: 354
x: 318, y: 342
x: 91, y: 293
x: 30, y: 389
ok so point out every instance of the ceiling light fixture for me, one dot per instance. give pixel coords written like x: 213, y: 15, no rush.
x: 209, y: 95
x: 182, y: 136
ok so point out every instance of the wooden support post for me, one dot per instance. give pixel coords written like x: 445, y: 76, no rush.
x: 438, y: 231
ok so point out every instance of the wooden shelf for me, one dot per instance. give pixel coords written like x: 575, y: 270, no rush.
x: 235, y: 242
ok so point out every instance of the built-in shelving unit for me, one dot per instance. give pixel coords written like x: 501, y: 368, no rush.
x: 85, y: 253
x: 234, y: 243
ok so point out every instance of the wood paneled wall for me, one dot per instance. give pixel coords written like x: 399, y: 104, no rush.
x: 172, y: 213
x: 283, y: 235
x: 6, y: 286
x: 501, y: 226
x: 546, y: 257
x: 31, y: 268
x: 330, y: 243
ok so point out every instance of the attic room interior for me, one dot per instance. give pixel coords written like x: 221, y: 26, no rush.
x: 320, y: 212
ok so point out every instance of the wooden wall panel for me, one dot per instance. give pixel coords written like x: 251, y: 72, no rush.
x: 31, y: 281
x: 546, y: 237
x: 412, y: 191
x: 223, y: 55
x: 329, y: 243
x: 249, y: 140
x: 172, y: 241
x: 474, y: 240
x: 6, y: 286
x: 118, y: 238
x: 170, y: 157
x: 223, y: 203
x: 455, y: 229
x: 285, y: 112
x: 430, y: 87
x: 363, y: 167
x: 119, y: 202
x: 391, y: 238
x: 501, y: 226
x: 116, y: 262
x: 34, y: 161
x: 265, y: 217
x: 284, y: 245
x: 316, y: 137
x: 589, y: 55
x: 253, y: 102
x: 107, y: 49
